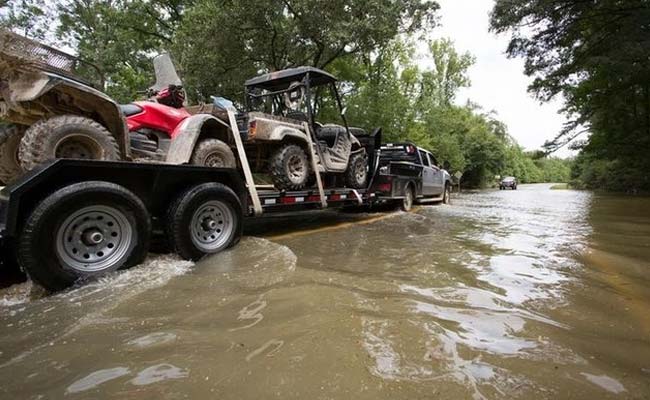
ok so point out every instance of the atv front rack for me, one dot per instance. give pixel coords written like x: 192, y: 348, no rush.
x: 18, y: 52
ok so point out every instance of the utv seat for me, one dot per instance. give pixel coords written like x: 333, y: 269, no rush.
x: 297, y: 115
x: 328, y: 133
x: 130, y: 109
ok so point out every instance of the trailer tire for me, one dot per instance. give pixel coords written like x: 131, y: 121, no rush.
x: 356, y: 176
x: 10, y: 136
x: 205, y: 219
x: 213, y: 153
x: 289, y: 168
x: 66, y: 136
x: 83, y: 231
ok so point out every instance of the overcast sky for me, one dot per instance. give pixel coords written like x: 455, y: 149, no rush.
x: 498, y: 83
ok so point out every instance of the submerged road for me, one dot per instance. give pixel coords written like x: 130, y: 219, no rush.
x: 534, y: 293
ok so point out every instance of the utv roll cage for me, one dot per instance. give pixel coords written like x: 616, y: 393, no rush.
x: 277, y: 83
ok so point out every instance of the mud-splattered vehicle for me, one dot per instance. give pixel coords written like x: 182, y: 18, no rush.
x: 47, y: 111
x: 280, y: 130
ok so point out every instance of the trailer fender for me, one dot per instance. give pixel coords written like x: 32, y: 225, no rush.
x: 188, y: 133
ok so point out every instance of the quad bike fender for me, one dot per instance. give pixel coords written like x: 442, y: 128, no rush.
x: 29, y: 86
x: 188, y: 133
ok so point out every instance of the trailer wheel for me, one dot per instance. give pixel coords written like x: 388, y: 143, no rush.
x: 407, y: 201
x: 206, y: 219
x: 10, y: 136
x: 83, y: 230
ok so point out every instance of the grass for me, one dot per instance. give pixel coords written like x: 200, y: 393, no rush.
x: 560, y: 186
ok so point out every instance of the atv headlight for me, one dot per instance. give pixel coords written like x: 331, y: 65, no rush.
x: 383, y: 170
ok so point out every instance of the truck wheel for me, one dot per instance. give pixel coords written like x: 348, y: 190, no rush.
x: 204, y: 220
x: 213, y: 153
x: 289, y: 168
x: 356, y: 176
x: 83, y: 230
x: 446, y: 198
x: 66, y: 136
x: 407, y: 201
x: 10, y: 136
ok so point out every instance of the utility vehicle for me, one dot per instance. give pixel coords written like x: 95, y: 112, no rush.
x: 49, y: 111
x: 281, y: 130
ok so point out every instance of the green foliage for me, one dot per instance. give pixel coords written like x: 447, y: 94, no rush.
x: 596, y: 54
x: 367, y: 44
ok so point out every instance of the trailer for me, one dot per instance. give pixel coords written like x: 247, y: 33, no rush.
x: 72, y: 220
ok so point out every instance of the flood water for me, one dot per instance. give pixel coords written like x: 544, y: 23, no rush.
x: 533, y: 293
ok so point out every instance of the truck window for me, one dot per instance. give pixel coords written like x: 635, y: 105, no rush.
x: 425, y: 159
x: 432, y: 160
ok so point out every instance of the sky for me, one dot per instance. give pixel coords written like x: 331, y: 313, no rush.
x: 498, y: 83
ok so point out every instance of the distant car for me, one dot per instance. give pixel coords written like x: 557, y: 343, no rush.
x: 508, y: 182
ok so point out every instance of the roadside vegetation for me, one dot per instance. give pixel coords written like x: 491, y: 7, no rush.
x: 220, y: 44
x: 596, y: 55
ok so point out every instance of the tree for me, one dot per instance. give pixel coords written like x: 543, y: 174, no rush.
x: 596, y: 54
x: 220, y: 43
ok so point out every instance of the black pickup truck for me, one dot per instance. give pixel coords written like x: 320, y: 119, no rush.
x: 408, y: 174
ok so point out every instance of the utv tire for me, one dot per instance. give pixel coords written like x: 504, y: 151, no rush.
x: 356, y: 176
x: 10, y: 136
x: 66, y: 136
x: 206, y: 219
x: 213, y: 153
x: 289, y: 168
x: 82, y: 231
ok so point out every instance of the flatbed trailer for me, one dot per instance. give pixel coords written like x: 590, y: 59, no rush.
x: 71, y: 220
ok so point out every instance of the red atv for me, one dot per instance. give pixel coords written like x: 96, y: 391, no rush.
x: 161, y: 129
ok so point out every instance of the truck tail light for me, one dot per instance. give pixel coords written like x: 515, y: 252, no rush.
x: 252, y: 130
x: 385, y: 187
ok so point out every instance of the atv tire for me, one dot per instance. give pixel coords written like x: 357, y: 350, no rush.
x: 289, y: 168
x: 213, y: 153
x: 10, y: 169
x: 356, y: 176
x: 66, y: 136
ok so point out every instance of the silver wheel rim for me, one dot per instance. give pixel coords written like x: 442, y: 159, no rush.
x: 408, y: 200
x: 212, y: 226
x: 94, y: 238
x: 297, y: 169
x: 78, y: 147
x: 360, y: 171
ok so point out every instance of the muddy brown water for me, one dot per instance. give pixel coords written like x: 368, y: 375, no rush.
x: 533, y: 293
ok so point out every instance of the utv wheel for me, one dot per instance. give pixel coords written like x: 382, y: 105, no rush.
x: 204, y: 220
x: 446, y: 198
x: 407, y: 202
x: 213, y: 153
x: 10, y: 136
x: 289, y: 168
x: 81, y: 231
x: 66, y: 136
x: 356, y: 176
